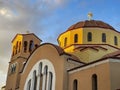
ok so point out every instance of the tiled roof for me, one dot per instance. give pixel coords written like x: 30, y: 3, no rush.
x: 90, y: 23
x: 113, y: 54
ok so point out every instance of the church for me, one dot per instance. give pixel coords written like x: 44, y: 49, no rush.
x: 87, y: 57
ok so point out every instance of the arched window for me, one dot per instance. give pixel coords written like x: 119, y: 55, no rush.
x: 46, y: 73
x: 115, y: 40
x: 103, y: 37
x: 75, y: 38
x: 16, y: 48
x: 75, y: 84
x: 65, y: 42
x: 36, y: 46
x: 19, y: 46
x: 14, y: 67
x: 40, y: 68
x: 34, y: 82
x: 29, y: 85
x: 25, y: 46
x: 50, y: 81
x: 44, y: 86
x: 40, y: 76
x: 89, y: 36
x: 94, y: 82
x: 31, y: 46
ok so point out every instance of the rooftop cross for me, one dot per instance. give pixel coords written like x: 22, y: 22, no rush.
x: 90, y: 15
x: 27, y: 32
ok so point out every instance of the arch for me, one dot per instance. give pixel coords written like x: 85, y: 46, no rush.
x: 40, y: 76
x: 36, y: 46
x: 47, y: 66
x: 75, y: 84
x: 19, y: 47
x: 65, y: 42
x: 25, y: 46
x: 14, y: 67
x: 94, y: 82
x: 40, y: 68
x: 89, y: 36
x: 16, y: 48
x: 75, y: 38
x: 45, y: 70
x: 34, y: 81
x: 44, y: 87
x: 29, y: 85
x: 50, y: 81
x: 115, y: 40
x: 31, y: 45
x: 103, y: 37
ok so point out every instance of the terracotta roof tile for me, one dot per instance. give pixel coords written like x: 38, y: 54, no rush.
x: 91, y: 23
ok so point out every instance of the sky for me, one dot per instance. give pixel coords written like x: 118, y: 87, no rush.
x: 47, y: 19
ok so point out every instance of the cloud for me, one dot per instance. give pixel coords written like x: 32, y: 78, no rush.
x: 23, y: 15
x: 19, y: 16
x: 2, y: 79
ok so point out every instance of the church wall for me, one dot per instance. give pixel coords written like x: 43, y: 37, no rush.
x: 57, y: 61
x: 97, y: 36
x: 15, y: 76
x: 115, y: 74
x: 84, y: 76
x: 69, y: 64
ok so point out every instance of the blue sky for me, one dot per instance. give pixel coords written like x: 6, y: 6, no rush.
x: 76, y: 10
x: 47, y: 19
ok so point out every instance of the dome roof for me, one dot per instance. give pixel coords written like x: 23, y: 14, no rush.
x: 90, y: 23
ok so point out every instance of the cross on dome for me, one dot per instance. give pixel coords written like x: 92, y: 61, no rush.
x: 90, y: 15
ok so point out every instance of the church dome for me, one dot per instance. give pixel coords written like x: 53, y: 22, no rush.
x: 90, y: 23
x: 88, y: 32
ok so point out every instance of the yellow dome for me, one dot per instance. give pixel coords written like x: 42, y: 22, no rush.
x: 87, y: 39
x: 99, y: 33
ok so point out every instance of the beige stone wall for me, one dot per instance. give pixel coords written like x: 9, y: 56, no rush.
x: 115, y: 74
x: 84, y: 74
x: 46, y: 52
x: 19, y: 58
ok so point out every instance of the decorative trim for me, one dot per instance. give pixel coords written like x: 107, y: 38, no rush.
x: 59, y: 50
x: 45, y: 62
x: 93, y: 64
x: 92, y: 45
x: 12, y: 60
x: 93, y: 48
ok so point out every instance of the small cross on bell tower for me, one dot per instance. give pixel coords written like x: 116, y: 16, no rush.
x: 27, y: 32
x: 90, y: 15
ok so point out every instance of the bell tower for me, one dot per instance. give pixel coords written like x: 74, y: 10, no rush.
x: 22, y: 47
